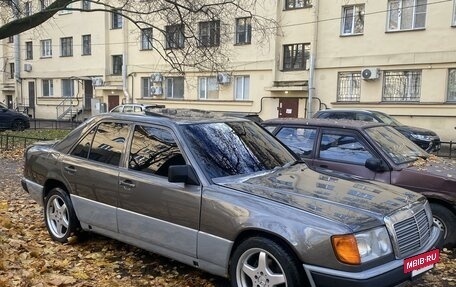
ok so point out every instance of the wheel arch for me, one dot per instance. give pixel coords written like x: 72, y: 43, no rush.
x: 51, y: 184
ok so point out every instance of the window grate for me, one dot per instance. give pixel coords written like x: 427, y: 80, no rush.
x: 402, y: 86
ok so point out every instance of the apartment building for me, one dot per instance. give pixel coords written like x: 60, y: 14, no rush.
x: 397, y: 56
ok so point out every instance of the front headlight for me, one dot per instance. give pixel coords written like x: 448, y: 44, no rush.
x: 422, y: 137
x: 363, y: 246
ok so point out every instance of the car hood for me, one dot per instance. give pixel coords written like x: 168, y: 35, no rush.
x: 415, y: 130
x: 354, y: 202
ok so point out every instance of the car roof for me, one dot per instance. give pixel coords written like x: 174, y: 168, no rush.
x: 322, y: 122
x: 348, y: 111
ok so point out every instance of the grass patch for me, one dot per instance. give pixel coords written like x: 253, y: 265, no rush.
x: 40, y: 134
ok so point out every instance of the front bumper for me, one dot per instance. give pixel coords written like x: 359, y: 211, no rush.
x: 389, y: 274
x: 34, y: 189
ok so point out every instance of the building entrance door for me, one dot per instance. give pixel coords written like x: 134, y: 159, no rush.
x: 9, y: 101
x: 288, y: 107
x: 113, y: 101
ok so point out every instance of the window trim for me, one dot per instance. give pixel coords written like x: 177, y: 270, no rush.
x: 12, y: 70
x: 453, y: 90
x: 116, y: 20
x: 88, y: 51
x: 306, y: 4
x: 213, y: 26
x: 46, y: 46
x: 351, y: 77
x: 453, y: 23
x: 304, y: 65
x: 206, y: 85
x: 170, y: 36
x: 114, y: 70
x: 243, y: 96
x: 355, y: 8
x: 29, y: 50
x: 147, y: 39
x: 399, y: 17
x: 401, y: 98
x: 50, y: 85
x: 247, y: 31
x: 165, y: 80
x: 71, y: 95
x: 66, y: 47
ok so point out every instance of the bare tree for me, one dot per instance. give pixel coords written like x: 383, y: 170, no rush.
x: 187, y: 33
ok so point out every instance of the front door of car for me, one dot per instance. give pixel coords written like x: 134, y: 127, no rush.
x: 347, y: 152
x: 5, y: 117
x: 92, y: 170
x: 163, y: 216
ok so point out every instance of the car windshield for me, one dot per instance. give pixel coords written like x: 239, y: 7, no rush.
x: 399, y: 148
x: 235, y: 148
x: 388, y: 120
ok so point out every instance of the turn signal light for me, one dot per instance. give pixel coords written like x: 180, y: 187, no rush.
x: 346, y: 249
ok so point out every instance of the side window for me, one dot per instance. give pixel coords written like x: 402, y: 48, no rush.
x: 128, y: 109
x: 153, y: 150
x: 116, y: 109
x: 345, y: 148
x: 108, y: 143
x: 83, y: 147
x: 299, y: 140
x: 364, y: 117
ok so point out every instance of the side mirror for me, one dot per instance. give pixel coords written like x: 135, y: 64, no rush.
x: 376, y: 164
x: 182, y: 173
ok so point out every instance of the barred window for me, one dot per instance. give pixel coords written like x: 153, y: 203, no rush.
x: 452, y: 85
x: 401, y: 86
x: 349, y: 87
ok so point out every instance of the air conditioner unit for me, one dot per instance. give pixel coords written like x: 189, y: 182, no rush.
x: 223, y: 78
x: 97, y: 82
x: 156, y: 77
x: 370, y: 73
x: 28, y: 67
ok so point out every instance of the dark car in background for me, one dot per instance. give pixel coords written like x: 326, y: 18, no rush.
x: 424, y: 138
x: 222, y: 194
x: 378, y: 152
x: 13, y: 120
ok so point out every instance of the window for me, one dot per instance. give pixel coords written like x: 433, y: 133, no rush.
x: 243, y: 30
x: 294, y: 4
x: 153, y: 150
x: 117, y: 63
x: 11, y: 39
x: 343, y: 148
x: 406, y: 14
x: 295, y: 56
x: 452, y: 85
x: 349, y: 87
x: 401, y: 86
x: 11, y: 70
x: 209, y: 33
x: 44, y: 4
x: 145, y: 87
x: 116, y: 20
x: 28, y: 8
x: 353, y: 20
x: 174, y: 87
x: 28, y: 50
x: 299, y: 140
x: 208, y: 88
x: 175, y: 37
x: 48, y: 88
x: 66, y: 47
x: 86, y: 44
x: 241, y: 87
x: 146, y: 39
x: 454, y: 14
x: 85, y: 5
x: 46, y: 48
x: 67, y: 88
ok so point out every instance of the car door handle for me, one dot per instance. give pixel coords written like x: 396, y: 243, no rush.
x: 127, y: 183
x: 70, y: 169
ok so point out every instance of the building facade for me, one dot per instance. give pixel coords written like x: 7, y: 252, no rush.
x: 396, y: 56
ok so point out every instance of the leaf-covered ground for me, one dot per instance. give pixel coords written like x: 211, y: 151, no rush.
x: 28, y: 257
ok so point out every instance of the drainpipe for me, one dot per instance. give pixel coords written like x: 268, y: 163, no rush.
x: 124, y: 63
x: 313, y: 56
x: 17, y: 56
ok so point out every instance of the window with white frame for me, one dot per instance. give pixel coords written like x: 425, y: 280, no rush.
x: 175, y: 37
x: 66, y: 47
x: 241, y: 87
x: 349, y: 86
x: 29, y: 50
x: 353, y: 19
x: 243, y: 30
x: 401, y: 86
x: 209, y: 33
x: 146, y: 39
x: 208, y: 88
x: 67, y: 88
x: 406, y: 14
x: 296, y: 56
x: 48, y: 88
x: 295, y: 4
x: 451, y: 85
x: 117, y: 62
x: 116, y: 20
x: 46, y: 48
x: 86, y: 44
x: 174, y: 87
x: 145, y: 87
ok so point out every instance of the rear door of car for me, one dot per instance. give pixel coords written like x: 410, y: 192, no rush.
x: 91, y: 170
x: 162, y: 215
x: 346, y: 151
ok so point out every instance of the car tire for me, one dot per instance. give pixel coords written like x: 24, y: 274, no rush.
x: 445, y: 220
x: 59, y: 216
x: 18, y: 125
x: 261, y: 261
